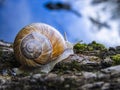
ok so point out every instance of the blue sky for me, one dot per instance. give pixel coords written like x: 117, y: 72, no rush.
x: 15, y: 14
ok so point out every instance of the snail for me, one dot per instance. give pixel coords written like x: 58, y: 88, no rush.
x: 41, y: 45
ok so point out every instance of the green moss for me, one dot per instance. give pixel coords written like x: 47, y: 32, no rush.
x: 90, y: 48
x: 62, y: 67
x: 80, y: 47
x: 75, y: 66
x: 96, y: 46
x: 116, y: 59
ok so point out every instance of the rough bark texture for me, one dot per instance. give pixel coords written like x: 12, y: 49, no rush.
x: 86, y: 71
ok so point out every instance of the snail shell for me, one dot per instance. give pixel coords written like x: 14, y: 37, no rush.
x: 39, y: 44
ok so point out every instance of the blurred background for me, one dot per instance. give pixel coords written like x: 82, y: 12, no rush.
x: 85, y: 20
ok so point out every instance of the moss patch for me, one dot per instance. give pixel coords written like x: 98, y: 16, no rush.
x: 63, y: 67
x: 96, y: 46
x: 93, y: 46
x: 116, y: 59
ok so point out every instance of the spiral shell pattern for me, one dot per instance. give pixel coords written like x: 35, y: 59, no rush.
x: 38, y: 43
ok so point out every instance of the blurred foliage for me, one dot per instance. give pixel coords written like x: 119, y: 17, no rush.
x: 94, y: 2
x: 61, y: 6
x: 58, y: 6
x: 80, y: 47
x: 98, y: 23
x: 116, y: 59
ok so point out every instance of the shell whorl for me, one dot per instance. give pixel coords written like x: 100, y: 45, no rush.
x: 33, y: 44
x: 38, y: 44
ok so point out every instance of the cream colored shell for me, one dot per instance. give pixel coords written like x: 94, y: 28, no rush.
x: 47, y: 42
